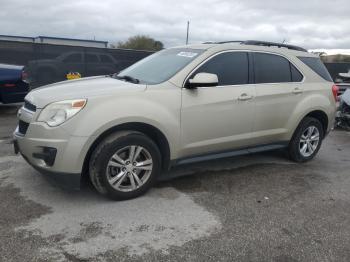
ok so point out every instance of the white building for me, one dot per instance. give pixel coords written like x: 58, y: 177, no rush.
x: 17, y: 38
x: 56, y: 41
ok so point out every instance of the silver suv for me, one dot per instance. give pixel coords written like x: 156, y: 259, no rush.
x: 180, y: 105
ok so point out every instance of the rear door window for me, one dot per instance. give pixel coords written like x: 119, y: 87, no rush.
x: 271, y: 68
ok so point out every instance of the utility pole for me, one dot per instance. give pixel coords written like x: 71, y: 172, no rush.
x: 188, y: 29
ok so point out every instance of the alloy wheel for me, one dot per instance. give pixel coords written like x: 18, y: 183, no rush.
x: 309, y: 141
x: 129, y: 168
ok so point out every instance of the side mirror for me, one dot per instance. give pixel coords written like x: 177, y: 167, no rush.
x: 203, y: 80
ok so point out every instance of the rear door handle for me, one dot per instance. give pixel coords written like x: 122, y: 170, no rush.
x: 244, y: 97
x: 297, y: 90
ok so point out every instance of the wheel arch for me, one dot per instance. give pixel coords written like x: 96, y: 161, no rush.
x: 152, y: 132
x: 320, y: 116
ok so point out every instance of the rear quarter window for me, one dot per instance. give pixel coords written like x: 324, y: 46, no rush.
x: 296, y: 75
x: 317, y: 66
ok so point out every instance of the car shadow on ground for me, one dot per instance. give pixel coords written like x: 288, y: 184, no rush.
x: 187, y: 175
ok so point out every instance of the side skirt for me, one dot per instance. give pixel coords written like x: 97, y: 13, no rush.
x: 237, y: 152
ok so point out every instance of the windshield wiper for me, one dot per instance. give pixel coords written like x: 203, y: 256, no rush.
x: 128, y: 79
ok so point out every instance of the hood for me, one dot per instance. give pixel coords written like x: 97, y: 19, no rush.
x: 80, y: 88
x: 11, y: 67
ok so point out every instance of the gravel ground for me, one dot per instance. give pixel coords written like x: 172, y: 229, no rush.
x: 260, y: 207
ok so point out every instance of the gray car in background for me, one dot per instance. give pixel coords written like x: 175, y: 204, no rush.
x: 45, y: 71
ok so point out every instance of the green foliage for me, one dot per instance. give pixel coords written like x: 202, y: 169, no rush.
x: 141, y: 42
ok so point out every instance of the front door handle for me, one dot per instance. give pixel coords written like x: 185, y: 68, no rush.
x: 244, y: 97
x: 297, y: 90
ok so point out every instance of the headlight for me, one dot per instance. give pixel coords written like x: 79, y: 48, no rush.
x: 57, y: 113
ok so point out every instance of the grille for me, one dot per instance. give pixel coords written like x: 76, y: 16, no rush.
x: 29, y: 106
x: 22, y: 127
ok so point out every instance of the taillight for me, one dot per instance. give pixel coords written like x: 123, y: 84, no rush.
x: 335, y: 90
x: 9, y: 85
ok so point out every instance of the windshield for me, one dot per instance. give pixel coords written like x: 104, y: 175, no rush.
x: 160, y: 66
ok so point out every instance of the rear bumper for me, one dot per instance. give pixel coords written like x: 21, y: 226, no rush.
x: 331, y: 125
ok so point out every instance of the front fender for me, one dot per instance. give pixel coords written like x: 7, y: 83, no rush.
x: 102, y: 114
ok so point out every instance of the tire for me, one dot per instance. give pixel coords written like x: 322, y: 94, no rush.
x: 109, y: 165
x: 301, y: 138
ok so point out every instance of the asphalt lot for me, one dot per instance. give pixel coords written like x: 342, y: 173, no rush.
x: 259, y: 207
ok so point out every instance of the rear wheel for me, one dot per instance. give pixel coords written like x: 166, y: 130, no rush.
x: 125, y: 165
x: 306, y: 140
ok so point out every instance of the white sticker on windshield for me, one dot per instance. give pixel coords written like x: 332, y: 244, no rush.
x: 187, y: 54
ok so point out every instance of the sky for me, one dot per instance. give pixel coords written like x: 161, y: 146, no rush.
x: 321, y: 24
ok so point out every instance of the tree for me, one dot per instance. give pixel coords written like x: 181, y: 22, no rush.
x: 141, y: 42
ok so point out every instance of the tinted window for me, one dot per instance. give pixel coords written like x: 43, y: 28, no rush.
x: 271, y: 69
x: 90, y: 58
x: 73, y: 58
x: 231, y: 68
x: 317, y: 66
x: 296, y: 75
x: 106, y: 59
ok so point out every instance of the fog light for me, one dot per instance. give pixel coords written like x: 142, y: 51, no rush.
x: 48, y: 155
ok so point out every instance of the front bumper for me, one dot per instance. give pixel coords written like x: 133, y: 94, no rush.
x: 68, y: 181
x: 51, y: 151
x: 54, y: 158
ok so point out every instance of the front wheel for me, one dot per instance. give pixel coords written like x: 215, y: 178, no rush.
x: 125, y: 165
x: 306, y: 140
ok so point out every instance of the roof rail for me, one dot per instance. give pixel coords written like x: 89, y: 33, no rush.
x: 223, y: 42
x: 234, y: 41
x: 263, y: 43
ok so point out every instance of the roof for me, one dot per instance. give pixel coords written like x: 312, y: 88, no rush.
x: 55, y: 38
x: 266, y: 44
x: 8, y: 66
x: 18, y: 36
x: 196, y: 46
x: 252, y: 45
x: 71, y: 39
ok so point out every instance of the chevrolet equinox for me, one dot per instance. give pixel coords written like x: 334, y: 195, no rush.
x: 177, y: 106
